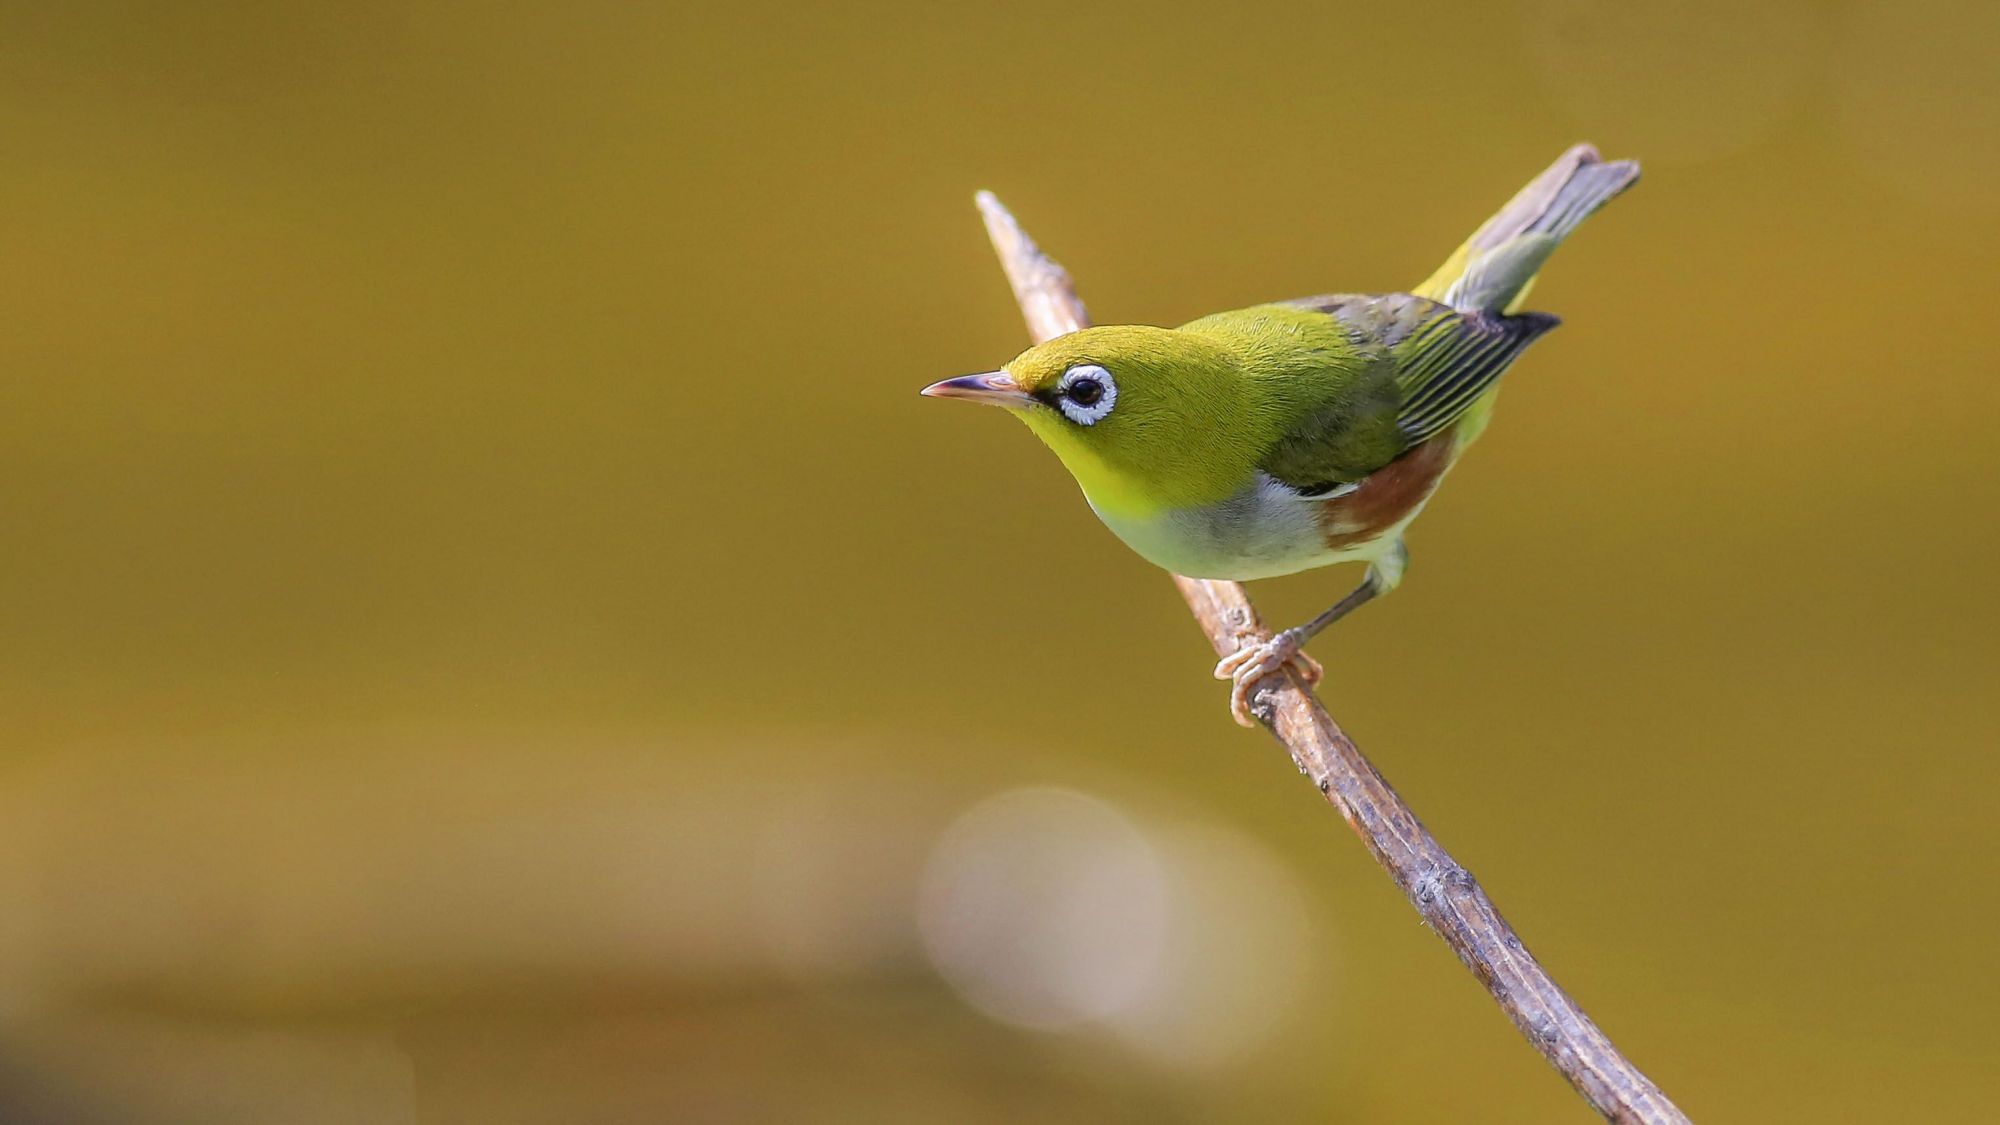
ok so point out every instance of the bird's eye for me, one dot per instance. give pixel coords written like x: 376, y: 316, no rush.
x: 1086, y: 394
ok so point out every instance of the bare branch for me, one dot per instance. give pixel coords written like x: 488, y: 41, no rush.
x: 1445, y: 893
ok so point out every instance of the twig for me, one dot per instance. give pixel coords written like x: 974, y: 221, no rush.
x: 1445, y: 893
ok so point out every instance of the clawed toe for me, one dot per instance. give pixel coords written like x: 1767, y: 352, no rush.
x: 1308, y: 668
x: 1253, y: 662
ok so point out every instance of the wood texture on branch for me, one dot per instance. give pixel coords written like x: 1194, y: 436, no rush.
x: 1450, y: 900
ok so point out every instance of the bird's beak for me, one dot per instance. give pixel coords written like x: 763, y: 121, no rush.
x: 994, y: 388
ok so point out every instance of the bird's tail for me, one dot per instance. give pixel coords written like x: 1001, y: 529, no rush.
x: 1494, y: 269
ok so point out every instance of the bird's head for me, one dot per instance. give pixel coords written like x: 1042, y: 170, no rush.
x: 1144, y: 418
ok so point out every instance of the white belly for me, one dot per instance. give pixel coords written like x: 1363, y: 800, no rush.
x: 1264, y: 531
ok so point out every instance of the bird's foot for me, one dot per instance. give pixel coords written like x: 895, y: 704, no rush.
x: 1258, y: 659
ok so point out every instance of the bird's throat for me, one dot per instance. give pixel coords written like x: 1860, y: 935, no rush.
x: 1110, y: 489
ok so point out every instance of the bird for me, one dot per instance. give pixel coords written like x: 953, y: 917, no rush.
x: 1298, y: 434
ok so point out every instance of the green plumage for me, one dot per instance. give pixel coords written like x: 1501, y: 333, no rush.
x: 1363, y: 379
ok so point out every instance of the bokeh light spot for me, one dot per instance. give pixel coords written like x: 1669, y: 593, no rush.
x: 1045, y: 908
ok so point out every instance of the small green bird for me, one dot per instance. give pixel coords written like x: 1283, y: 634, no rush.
x: 1283, y: 437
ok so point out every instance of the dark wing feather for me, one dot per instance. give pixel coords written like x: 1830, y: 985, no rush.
x: 1453, y: 359
x: 1443, y: 359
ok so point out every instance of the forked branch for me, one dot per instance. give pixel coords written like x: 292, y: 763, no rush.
x: 1445, y: 893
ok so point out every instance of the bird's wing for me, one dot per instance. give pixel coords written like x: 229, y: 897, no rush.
x: 1453, y: 359
x: 1440, y: 360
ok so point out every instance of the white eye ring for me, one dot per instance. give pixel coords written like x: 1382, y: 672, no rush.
x: 1078, y: 401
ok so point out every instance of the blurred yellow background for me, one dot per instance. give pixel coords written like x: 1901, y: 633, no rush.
x: 489, y: 633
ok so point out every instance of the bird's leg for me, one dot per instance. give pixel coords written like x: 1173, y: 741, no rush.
x: 1258, y: 659
x: 1254, y: 661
